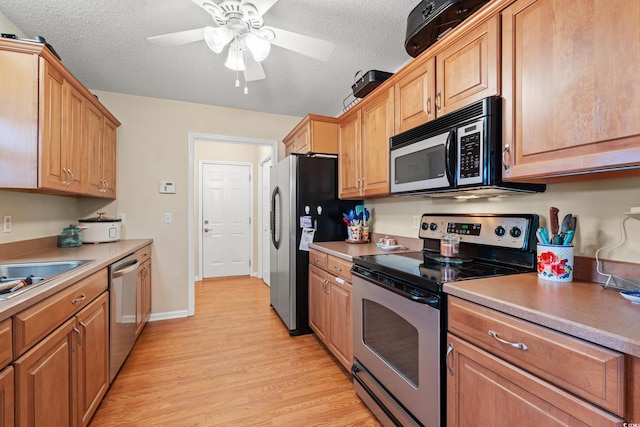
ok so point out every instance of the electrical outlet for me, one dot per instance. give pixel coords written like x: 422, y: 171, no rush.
x: 416, y: 222
x: 168, y: 218
x: 6, y: 223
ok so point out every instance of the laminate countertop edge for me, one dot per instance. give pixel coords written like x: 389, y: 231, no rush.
x: 101, y: 256
x: 581, y: 309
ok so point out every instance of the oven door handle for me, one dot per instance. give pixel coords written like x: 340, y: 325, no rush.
x: 432, y: 301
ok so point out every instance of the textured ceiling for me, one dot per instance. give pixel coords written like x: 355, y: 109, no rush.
x: 104, y: 44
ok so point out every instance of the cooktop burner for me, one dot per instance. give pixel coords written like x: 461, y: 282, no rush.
x: 497, y: 245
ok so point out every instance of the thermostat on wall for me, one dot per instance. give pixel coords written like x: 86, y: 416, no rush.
x: 167, y: 187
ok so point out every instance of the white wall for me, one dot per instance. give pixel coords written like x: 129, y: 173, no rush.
x: 599, y: 206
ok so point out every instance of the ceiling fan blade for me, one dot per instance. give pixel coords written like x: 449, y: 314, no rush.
x: 263, y: 6
x: 254, y: 70
x: 299, y: 43
x: 179, y: 38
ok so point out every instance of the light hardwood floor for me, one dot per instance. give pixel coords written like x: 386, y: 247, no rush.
x: 232, y: 364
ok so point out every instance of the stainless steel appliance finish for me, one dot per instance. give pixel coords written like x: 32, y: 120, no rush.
x: 122, y: 314
x: 304, y: 195
x: 457, y: 153
x: 398, y: 340
x: 399, y: 310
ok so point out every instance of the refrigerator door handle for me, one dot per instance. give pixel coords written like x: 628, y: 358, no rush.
x: 274, y: 211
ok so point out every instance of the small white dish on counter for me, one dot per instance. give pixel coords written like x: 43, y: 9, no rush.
x: 391, y: 247
x: 633, y: 296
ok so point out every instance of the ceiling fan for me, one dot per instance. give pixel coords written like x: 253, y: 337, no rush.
x: 239, y: 24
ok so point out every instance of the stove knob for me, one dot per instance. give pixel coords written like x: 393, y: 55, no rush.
x: 433, y: 226
x: 425, y: 226
x: 515, y: 232
x: 500, y: 231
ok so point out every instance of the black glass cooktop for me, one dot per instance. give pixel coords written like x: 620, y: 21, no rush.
x: 432, y: 270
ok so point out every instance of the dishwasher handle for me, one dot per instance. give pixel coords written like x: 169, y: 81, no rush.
x: 126, y: 270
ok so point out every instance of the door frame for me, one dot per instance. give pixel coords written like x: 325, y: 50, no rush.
x: 193, y: 137
x: 251, y: 219
x: 261, y: 241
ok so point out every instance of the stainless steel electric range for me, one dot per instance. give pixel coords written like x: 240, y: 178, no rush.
x: 399, y: 308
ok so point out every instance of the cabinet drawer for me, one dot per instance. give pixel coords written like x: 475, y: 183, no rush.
x: 318, y: 258
x: 6, y: 354
x: 33, y: 324
x: 594, y: 373
x: 143, y: 254
x: 339, y: 267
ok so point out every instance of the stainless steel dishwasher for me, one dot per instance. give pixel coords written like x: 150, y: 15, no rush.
x: 122, y: 316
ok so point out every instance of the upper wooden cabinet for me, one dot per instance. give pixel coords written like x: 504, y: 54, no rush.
x: 463, y: 71
x: 364, y: 133
x: 570, y: 86
x: 50, y: 127
x: 314, y: 134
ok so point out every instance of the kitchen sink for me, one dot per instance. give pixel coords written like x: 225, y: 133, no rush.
x: 21, y: 277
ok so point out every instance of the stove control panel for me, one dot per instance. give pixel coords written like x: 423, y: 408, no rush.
x: 508, y: 231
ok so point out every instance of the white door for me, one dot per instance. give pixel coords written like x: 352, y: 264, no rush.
x: 265, y: 193
x: 226, y: 222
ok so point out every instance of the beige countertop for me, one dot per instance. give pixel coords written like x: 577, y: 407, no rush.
x: 101, y: 255
x: 347, y: 251
x: 582, y: 309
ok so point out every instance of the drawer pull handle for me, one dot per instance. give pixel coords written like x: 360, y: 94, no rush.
x: 338, y: 268
x: 449, y: 351
x: 518, y: 345
x: 77, y: 300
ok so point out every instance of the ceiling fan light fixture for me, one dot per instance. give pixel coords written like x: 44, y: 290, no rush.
x: 235, y: 58
x: 217, y: 38
x: 258, y: 46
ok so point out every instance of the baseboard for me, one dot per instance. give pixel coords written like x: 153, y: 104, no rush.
x: 169, y: 315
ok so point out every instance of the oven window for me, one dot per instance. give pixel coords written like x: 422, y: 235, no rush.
x: 420, y: 165
x: 392, y: 338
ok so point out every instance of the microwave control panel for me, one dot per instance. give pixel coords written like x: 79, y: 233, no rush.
x: 470, y: 159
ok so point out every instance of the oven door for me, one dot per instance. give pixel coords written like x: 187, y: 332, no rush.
x: 397, y: 346
x: 423, y: 165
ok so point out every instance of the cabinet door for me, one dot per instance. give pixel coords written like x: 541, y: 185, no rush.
x: 109, y: 158
x: 415, y: 97
x: 570, y: 86
x: 303, y: 140
x: 377, y: 128
x: 73, y: 134
x: 45, y: 381
x: 94, y: 130
x: 7, y: 412
x: 467, y: 71
x: 483, y: 390
x: 340, y: 324
x: 92, y: 357
x: 146, y: 290
x: 349, y: 175
x: 52, y: 162
x: 318, y: 302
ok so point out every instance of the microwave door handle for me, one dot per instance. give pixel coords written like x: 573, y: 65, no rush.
x: 449, y: 157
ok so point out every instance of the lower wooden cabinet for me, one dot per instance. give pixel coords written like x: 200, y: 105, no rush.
x: 7, y: 397
x: 143, y: 289
x: 330, y: 313
x: 61, y: 380
x: 506, y: 371
x: 484, y: 390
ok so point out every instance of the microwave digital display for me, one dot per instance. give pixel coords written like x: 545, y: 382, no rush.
x: 420, y: 165
x: 470, y: 155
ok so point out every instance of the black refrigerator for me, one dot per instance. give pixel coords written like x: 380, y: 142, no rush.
x: 304, y: 200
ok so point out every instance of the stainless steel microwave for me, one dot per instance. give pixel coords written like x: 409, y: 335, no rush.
x: 459, y: 152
